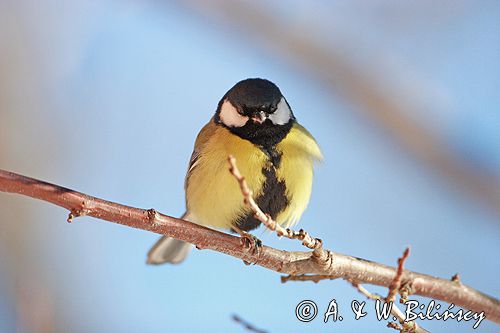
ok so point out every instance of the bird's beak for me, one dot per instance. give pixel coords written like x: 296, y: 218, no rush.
x: 259, y: 117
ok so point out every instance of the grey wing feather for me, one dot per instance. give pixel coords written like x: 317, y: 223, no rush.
x: 192, y: 164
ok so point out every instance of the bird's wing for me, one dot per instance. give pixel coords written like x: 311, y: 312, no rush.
x: 201, y: 140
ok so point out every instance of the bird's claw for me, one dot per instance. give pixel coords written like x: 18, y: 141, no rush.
x: 251, y: 242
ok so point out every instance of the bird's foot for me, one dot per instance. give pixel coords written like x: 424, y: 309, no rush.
x: 249, y: 241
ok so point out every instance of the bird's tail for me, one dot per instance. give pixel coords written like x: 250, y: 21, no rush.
x: 169, y: 250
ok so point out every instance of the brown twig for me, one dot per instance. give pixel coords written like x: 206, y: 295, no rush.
x: 410, y: 326
x: 246, y: 325
x: 308, y: 241
x: 294, y: 263
x: 396, y: 282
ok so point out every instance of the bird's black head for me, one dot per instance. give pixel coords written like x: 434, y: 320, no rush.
x: 255, y: 110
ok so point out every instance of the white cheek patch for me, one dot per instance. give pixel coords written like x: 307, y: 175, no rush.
x: 230, y: 117
x: 282, y: 114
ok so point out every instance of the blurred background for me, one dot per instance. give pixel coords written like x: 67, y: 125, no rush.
x: 106, y: 97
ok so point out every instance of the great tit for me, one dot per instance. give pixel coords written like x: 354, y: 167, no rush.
x: 254, y: 123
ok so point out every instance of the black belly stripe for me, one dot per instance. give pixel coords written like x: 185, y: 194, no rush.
x: 273, y: 155
x: 273, y: 199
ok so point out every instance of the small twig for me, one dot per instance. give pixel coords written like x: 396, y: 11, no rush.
x: 404, y: 291
x: 307, y: 240
x: 396, y: 283
x: 410, y: 326
x: 246, y: 325
x: 394, y: 288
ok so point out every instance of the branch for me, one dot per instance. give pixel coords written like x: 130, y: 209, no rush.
x: 335, y: 265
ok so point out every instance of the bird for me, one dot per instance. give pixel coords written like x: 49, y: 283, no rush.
x: 254, y: 123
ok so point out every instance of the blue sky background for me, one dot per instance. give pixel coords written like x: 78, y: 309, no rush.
x: 107, y: 98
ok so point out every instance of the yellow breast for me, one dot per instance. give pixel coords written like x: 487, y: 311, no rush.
x: 299, y: 151
x: 213, y: 197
